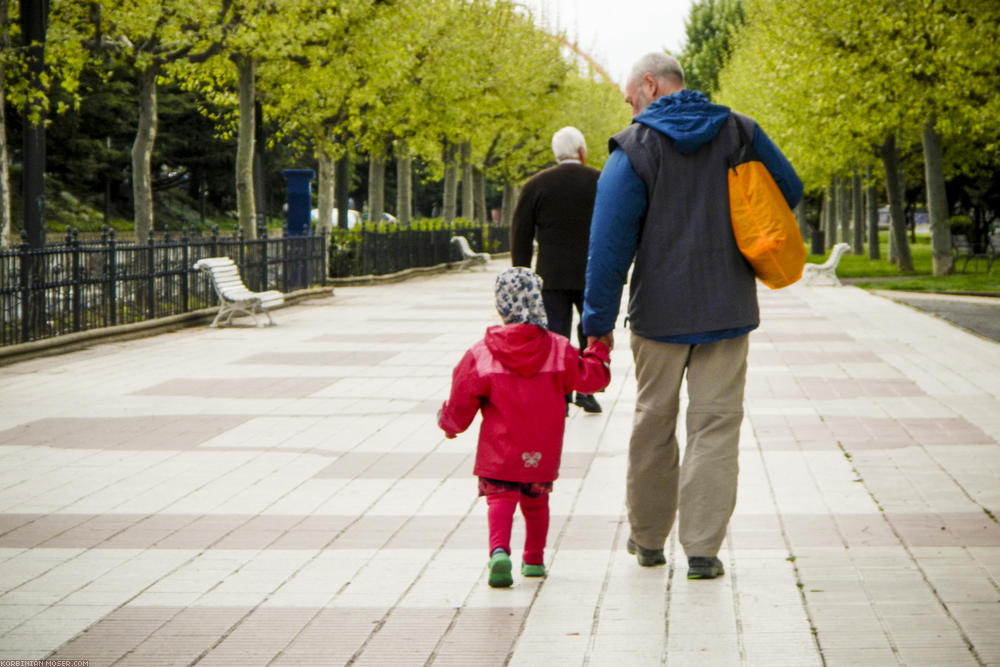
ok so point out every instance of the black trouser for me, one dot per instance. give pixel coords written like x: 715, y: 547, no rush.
x: 559, y: 304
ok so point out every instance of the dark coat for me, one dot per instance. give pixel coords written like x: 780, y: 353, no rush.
x: 556, y: 205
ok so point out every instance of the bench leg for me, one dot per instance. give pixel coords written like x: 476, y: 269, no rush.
x: 218, y: 317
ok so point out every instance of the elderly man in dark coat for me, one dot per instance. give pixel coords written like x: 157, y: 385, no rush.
x: 555, y: 207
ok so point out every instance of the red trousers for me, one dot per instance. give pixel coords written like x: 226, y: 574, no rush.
x: 500, y: 510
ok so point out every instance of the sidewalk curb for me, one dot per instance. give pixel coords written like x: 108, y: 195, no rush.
x: 75, y: 341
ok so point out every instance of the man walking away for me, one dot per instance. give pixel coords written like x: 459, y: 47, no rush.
x: 662, y: 202
x: 555, y: 207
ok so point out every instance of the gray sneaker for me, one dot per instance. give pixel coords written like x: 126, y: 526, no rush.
x: 703, y: 567
x: 646, y: 557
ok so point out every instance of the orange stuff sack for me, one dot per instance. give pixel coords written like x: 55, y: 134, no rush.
x: 764, y: 226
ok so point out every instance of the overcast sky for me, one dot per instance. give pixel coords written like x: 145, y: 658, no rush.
x: 616, y: 32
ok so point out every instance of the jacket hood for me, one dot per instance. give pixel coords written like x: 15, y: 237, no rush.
x: 523, y: 348
x: 687, y: 117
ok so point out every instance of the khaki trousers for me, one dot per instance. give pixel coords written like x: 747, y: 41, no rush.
x: 702, y: 490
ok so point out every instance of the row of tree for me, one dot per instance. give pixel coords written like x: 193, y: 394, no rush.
x: 856, y: 92
x: 471, y: 88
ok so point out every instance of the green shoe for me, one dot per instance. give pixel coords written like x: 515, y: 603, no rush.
x: 500, y: 570
x: 529, y: 570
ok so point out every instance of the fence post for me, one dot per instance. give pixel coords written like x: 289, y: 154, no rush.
x: 324, y: 257
x: 186, y: 269
x: 151, y: 278
x: 241, y: 251
x: 27, y: 308
x: 77, y: 305
x: 112, y: 277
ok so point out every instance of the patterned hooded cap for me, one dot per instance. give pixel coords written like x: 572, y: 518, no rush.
x: 519, y: 297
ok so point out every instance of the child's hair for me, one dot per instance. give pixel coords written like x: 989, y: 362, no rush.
x: 519, y: 297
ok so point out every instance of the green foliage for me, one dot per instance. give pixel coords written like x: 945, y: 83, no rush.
x: 351, y: 77
x: 960, y: 224
x: 711, y: 29
x: 829, y: 79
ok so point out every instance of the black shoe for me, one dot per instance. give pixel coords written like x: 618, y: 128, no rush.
x: 646, y: 557
x: 702, y: 567
x: 587, y: 402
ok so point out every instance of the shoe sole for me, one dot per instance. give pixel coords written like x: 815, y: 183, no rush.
x: 711, y: 572
x: 529, y: 572
x: 500, y: 576
x: 645, y: 561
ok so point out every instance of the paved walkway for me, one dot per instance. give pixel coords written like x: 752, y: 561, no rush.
x: 282, y: 496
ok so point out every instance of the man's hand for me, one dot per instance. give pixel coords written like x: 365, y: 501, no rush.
x: 608, y: 339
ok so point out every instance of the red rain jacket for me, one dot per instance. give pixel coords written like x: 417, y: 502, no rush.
x: 519, y: 375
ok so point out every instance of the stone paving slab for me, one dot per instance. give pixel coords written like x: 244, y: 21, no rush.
x: 282, y: 496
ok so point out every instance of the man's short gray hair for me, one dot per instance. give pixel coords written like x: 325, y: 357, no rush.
x: 660, y: 65
x: 567, y: 142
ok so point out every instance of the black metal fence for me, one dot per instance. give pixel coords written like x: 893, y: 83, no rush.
x: 79, y: 285
x: 366, y: 251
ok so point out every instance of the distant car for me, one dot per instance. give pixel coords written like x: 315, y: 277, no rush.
x: 353, y: 218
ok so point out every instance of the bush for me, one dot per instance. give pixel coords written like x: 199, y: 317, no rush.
x: 960, y: 224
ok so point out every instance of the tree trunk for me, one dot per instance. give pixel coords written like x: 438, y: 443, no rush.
x: 450, y: 203
x: 342, y: 189
x: 325, y: 191
x: 245, y: 206
x: 844, y: 210
x: 509, y: 201
x: 5, y: 197
x: 404, y: 183
x: 826, y: 224
x: 142, y: 153
x: 468, y: 187
x: 937, y: 202
x: 871, y: 199
x: 899, y: 248
x: 376, y: 188
x: 479, y: 178
x: 834, y: 220
x: 857, y: 199
x: 800, y: 218
x: 5, y: 211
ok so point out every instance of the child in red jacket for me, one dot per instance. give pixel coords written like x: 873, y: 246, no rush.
x: 519, y: 375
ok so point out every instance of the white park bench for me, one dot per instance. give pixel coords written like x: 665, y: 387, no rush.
x: 469, y: 258
x: 825, y: 273
x: 234, y: 297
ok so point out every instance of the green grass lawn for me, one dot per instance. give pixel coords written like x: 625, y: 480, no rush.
x: 880, y: 274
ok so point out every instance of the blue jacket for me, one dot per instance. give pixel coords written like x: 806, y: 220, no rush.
x: 689, y: 121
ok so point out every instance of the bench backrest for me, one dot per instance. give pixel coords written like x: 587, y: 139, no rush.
x: 225, y: 275
x: 835, y: 254
x: 463, y: 243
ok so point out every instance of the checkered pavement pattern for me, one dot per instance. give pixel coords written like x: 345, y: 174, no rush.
x: 282, y: 496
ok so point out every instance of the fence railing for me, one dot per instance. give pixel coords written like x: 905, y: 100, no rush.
x: 367, y: 251
x: 77, y: 285
x: 74, y: 285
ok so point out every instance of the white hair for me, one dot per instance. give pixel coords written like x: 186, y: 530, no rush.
x: 659, y: 65
x: 567, y: 143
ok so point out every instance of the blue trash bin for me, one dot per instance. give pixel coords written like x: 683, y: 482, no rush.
x: 299, y: 192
